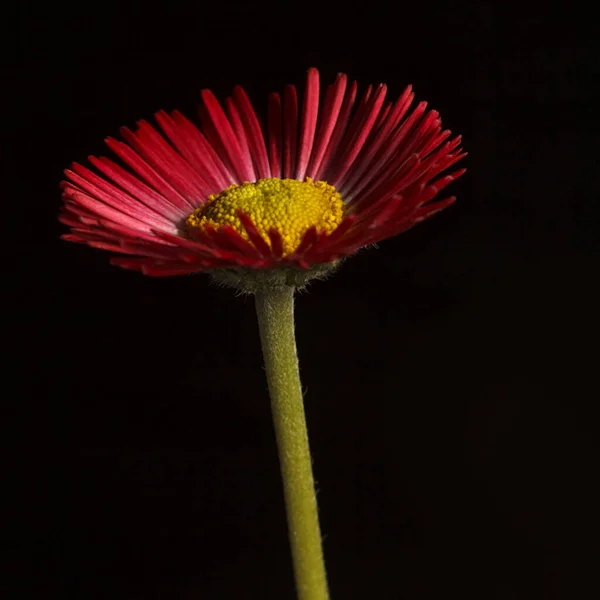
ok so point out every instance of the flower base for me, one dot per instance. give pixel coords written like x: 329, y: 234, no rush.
x: 249, y: 281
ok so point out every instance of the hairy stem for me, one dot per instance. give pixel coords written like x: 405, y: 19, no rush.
x: 275, y: 310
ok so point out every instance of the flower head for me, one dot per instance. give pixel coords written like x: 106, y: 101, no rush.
x: 318, y: 183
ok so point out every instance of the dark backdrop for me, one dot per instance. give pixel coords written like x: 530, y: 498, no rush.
x: 449, y: 374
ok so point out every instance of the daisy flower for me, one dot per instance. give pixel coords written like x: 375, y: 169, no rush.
x: 324, y: 177
x: 265, y: 209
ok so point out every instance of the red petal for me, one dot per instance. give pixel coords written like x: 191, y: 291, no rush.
x: 383, y: 168
x: 377, y: 145
x: 361, y: 133
x: 276, y: 242
x: 329, y: 117
x: 310, y: 112
x: 215, y: 120
x: 310, y: 237
x: 231, y: 240
x: 238, y: 127
x: 199, y: 150
x: 290, y: 130
x: 254, y: 235
x: 137, y: 188
x: 427, y: 211
x: 330, y: 243
x: 254, y: 132
x: 111, y: 195
x: 104, y: 210
x: 144, y: 170
x: 274, y: 122
x: 340, y: 127
x: 166, y: 161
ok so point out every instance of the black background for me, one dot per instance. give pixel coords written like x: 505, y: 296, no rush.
x: 450, y: 374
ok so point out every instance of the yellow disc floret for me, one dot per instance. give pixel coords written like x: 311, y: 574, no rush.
x: 288, y: 205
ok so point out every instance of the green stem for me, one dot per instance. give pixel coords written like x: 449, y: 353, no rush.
x: 275, y: 310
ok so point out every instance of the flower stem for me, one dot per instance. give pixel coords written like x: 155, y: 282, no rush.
x: 275, y: 310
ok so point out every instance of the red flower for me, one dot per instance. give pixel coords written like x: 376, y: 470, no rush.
x: 322, y: 183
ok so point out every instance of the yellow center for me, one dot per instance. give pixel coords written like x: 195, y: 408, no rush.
x: 288, y: 205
